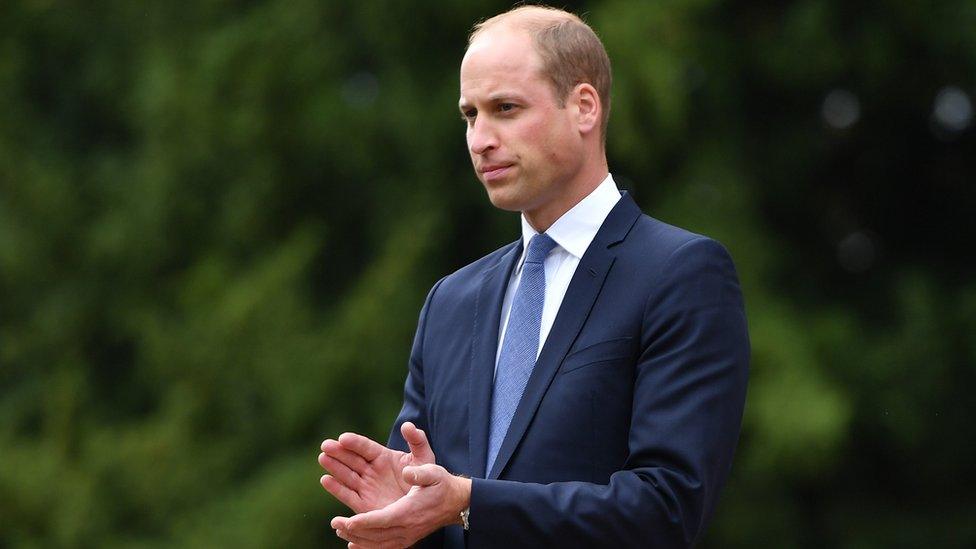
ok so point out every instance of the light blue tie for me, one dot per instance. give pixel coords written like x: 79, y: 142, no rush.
x: 521, y: 344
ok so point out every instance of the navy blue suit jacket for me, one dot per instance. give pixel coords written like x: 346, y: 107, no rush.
x: 625, y: 433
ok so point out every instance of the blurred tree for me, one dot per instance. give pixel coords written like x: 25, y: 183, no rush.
x: 218, y: 221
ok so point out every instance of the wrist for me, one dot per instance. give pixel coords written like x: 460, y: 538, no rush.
x: 463, y: 500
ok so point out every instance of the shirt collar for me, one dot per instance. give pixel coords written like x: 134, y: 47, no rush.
x: 576, y: 228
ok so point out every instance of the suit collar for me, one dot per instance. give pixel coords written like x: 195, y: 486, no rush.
x: 575, y: 229
x: 620, y: 221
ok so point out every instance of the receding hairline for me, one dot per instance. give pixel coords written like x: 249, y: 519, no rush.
x: 531, y: 19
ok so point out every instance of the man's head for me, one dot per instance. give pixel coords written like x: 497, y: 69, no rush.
x: 571, y: 52
x: 535, y: 94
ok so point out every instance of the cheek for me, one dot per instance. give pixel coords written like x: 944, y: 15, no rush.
x: 549, y: 144
x: 536, y: 140
x: 562, y: 142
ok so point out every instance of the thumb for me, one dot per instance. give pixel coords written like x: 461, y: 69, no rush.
x: 423, y: 475
x: 417, y: 440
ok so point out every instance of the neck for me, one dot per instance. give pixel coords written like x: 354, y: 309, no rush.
x: 544, y: 216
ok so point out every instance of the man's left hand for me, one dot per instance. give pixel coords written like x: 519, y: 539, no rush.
x: 367, y: 475
x: 435, y: 500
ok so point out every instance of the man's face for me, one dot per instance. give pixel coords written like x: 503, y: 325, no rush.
x: 525, y: 148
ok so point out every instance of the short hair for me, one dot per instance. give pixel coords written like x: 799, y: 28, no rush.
x: 571, y: 52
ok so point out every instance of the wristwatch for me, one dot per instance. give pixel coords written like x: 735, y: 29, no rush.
x: 464, y: 518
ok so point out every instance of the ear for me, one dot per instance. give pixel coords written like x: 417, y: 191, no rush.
x: 589, y: 108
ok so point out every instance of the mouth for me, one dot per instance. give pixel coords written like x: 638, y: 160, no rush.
x: 494, y: 172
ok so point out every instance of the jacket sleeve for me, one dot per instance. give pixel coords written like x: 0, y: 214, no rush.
x: 414, y: 404
x: 689, y: 392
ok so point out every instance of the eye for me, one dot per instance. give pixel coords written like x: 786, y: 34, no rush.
x: 506, y: 107
x: 468, y: 115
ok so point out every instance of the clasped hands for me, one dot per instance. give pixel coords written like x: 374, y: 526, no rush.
x: 398, y: 497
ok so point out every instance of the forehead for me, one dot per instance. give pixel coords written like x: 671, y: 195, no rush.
x: 500, y: 58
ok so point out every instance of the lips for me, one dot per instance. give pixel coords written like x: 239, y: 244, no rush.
x: 494, y: 172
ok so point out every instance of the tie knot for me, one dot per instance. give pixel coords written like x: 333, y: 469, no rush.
x: 539, y: 247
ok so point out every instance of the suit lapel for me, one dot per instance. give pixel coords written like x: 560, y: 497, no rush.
x: 484, y: 346
x: 583, y: 290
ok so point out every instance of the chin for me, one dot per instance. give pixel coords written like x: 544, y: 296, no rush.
x: 504, y: 201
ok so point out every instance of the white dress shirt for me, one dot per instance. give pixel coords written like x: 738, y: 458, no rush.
x: 573, y: 232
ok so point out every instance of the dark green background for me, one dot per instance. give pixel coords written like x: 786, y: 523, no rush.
x: 218, y: 221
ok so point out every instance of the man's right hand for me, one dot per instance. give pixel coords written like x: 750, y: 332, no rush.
x: 365, y: 475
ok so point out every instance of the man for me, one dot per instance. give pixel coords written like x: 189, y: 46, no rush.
x: 582, y: 386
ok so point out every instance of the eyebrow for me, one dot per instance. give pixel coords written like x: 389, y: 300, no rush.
x: 496, y: 97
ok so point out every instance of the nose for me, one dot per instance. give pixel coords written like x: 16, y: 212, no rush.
x: 481, y: 137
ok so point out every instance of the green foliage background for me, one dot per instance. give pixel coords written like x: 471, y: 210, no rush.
x: 218, y: 221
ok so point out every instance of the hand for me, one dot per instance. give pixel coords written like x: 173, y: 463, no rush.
x: 435, y: 499
x: 367, y: 475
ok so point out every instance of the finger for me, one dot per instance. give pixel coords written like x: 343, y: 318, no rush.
x: 356, y: 541
x: 373, y: 520
x: 424, y: 475
x: 341, y: 472
x: 339, y: 523
x: 377, y: 545
x: 348, y: 458
x: 352, y: 545
x: 344, y: 534
x: 349, y: 497
x: 362, y: 446
x: 417, y: 440
x: 372, y: 536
